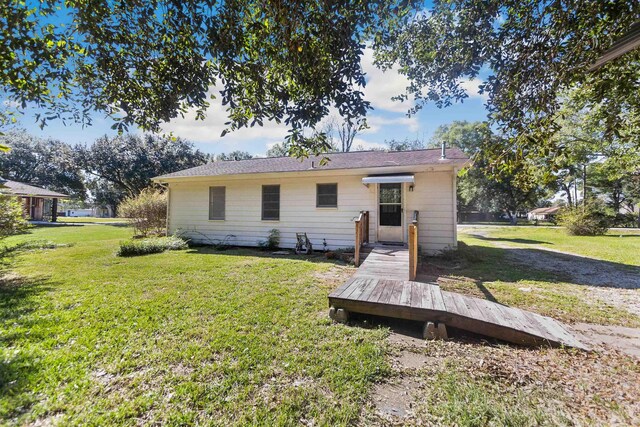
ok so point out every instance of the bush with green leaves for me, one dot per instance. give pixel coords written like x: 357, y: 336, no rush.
x: 11, y: 219
x: 146, y: 212
x: 152, y: 245
x: 584, y: 220
x: 273, y: 240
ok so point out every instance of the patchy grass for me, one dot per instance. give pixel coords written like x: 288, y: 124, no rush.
x: 182, y: 337
x: 472, y: 384
x: 620, y: 246
x: 482, y: 270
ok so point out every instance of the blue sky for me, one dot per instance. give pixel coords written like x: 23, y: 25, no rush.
x: 388, y: 120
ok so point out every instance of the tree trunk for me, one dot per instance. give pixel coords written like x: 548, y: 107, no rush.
x: 567, y: 191
x: 584, y: 185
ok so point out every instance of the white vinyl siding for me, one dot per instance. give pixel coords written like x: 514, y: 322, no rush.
x: 217, y: 203
x: 432, y: 195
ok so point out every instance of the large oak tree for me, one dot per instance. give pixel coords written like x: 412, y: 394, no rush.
x: 529, y: 52
x: 146, y: 62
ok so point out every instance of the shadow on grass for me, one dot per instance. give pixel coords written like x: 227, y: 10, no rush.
x: 513, y: 240
x: 316, y: 257
x: 18, y: 313
x: 487, y: 264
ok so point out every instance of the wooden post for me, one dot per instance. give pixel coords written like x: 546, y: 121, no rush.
x: 413, y: 251
x: 54, y: 210
x: 366, y: 227
x: 356, y: 252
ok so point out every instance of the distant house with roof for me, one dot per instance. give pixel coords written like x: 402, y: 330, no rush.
x: 39, y: 203
x: 543, y: 214
x: 241, y: 201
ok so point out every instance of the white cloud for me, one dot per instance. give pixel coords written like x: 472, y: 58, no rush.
x: 472, y: 87
x: 383, y: 85
x: 376, y: 122
x: 210, y: 129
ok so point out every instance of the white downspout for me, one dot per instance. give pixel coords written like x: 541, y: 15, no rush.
x: 455, y: 208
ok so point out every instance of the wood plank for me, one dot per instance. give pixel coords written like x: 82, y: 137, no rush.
x: 358, y: 290
x: 379, y: 287
x: 512, y: 319
x: 416, y: 295
x: 342, y: 287
x: 352, y: 288
x: 473, y: 309
x: 371, y: 285
x: 427, y: 296
x: 396, y: 294
x: 489, y: 311
x: 405, y: 298
x: 386, y: 293
x: 456, y: 305
x: 438, y: 300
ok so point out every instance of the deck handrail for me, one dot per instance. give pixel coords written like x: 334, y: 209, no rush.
x: 413, y: 246
x: 362, y: 235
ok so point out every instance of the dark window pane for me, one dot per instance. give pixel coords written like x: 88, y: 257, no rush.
x: 270, y: 202
x: 216, y: 202
x: 391, y: 215
x: 327, y: 195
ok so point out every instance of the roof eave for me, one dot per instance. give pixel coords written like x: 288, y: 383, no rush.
x: 453, y: 163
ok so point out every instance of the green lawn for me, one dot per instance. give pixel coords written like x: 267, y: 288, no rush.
x: 182, y: 337
x: 239, y: 337
x: 622, y: 246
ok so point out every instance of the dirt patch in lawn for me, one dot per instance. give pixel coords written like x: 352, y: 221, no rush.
x: 446, y: 382
x: 575, y: 268
x: 395, y: 399
x: 626, y: 340
x: 337, y: 274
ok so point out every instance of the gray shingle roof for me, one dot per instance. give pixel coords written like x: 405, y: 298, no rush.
x: 549, y: 210
x: 351, y: 160
x: 21, y: 189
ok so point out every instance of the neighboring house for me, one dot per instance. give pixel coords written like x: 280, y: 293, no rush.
x: 79, y: 212
x: 40, y: 204
x: 543, y: 214
x: 241, y: 201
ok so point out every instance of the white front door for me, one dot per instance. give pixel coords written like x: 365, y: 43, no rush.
x: 390, y: 213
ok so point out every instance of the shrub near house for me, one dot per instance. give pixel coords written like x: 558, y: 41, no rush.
x: 11, y: 219
x: 146, y: 212
x: 588, y: 220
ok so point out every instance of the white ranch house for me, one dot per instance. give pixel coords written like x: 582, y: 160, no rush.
x: 241, y: 201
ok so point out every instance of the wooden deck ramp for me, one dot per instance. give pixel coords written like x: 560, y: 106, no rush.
x: 380, y: 287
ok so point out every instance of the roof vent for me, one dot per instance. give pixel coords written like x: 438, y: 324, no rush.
x: 313, y: 164
x: 444, y: 151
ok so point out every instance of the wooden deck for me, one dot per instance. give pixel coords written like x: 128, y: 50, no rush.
x: 390, y: 262
x: 381, y: 288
